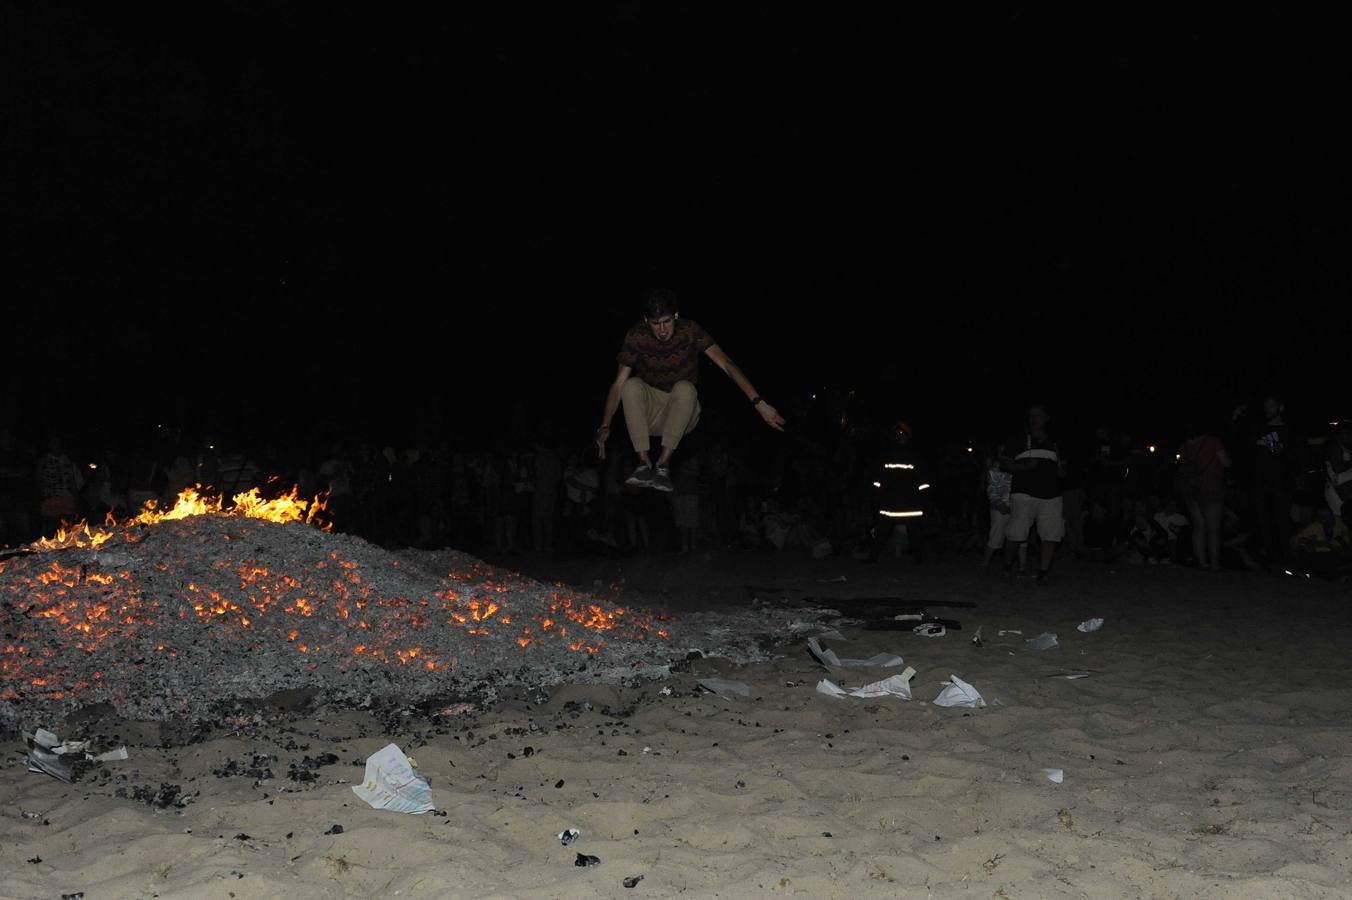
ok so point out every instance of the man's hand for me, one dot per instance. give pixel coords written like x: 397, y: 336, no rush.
x: 770, y: 415
x: 601, y: 434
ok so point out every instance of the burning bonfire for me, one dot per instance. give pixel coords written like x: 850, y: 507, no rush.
x: 250, y: 504
x: 168, y: 614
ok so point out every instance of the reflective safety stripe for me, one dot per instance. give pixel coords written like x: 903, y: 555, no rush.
x: 1038, y: 454
x: 901, y: 514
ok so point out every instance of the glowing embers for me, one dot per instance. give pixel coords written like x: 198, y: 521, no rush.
x: 213, y: 606
x: 568, y: 620
x: 87, y: 606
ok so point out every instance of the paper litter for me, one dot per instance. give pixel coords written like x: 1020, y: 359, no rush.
x: 392, y: 784
x: 893, y: 686
x: 827, y: 657
x: 724, y: 687
x: 959, y: 693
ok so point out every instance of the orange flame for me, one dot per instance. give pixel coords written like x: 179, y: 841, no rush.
x: 288, y: 507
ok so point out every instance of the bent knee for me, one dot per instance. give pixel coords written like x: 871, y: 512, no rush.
x: 683, y: 390
x: 631, y: 390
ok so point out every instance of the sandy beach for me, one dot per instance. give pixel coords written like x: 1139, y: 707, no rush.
x: 1204, y: 755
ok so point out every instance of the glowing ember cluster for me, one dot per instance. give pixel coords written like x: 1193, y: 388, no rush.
x: 224, y: 603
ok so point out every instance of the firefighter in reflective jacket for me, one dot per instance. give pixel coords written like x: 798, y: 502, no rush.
x: 899, y: 494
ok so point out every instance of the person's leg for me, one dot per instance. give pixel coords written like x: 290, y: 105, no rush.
x: 1113, y: 497
x: 1281, y: 515
x: 1199, y: 535
x: 995, y: 541
x: 1051, y: 528
x: 1267, y: 526
x: 639, y: 402
x: 1271, y: 510
x: 682, y: 415
x: 882, y: 535
x: 1021, y: 511
x: 1213, y: 513
x: 1073, y: 503
x: 918, y: 535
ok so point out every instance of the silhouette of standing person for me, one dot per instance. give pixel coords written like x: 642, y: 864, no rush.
x: 59, y: 484
x: 1036, y: 492
x: 1202, y: 484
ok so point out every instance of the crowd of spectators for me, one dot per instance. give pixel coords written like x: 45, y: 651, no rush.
x: 1249, y: 492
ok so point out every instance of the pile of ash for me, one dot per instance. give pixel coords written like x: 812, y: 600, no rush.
x: 170, y: 621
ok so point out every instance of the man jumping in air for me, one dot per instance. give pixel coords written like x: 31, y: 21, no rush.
x: 659, y: 366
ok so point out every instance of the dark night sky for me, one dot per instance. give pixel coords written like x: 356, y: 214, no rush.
x: 326, y: 216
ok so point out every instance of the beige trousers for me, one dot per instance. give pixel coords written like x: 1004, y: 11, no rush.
x: 647, y: 412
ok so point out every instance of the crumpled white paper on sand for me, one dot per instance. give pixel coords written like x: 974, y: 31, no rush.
x: 892, y: 686
x: 723, y: 687
x: 392, y: 784
x: 1089, y: 625
x: 959, y: 693
x: 827, y: 657
x: 48, y: 754
x: 1044, y: 641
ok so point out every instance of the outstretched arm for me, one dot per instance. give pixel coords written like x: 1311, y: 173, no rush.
x: 608, y: 410
x: 724, y: 362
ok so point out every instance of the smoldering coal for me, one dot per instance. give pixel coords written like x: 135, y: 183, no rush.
x: 174, y: 620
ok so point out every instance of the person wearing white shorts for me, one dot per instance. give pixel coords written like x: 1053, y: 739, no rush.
x: 1036, y: 492
x: 1045, y: 512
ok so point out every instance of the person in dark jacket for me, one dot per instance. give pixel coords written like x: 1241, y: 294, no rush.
x: 1275, y: 462
x: 1036, y: 493
x: 899, y: 492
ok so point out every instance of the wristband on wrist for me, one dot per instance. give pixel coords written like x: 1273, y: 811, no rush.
x: 757, y: 400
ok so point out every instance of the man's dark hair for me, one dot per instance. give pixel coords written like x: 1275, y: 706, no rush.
x: 659, y: 302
